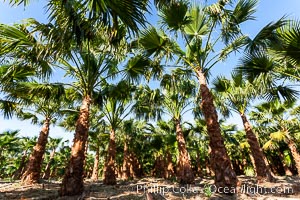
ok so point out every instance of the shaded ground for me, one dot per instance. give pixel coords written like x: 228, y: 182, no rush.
x: 152, y: 189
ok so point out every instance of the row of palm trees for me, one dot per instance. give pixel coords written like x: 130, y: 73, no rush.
x: 146, y: 149
x: 89, y: 42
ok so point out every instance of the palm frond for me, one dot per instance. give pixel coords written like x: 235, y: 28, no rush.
x: 174, y: 15
x: 8, y: 108
x: 266, y: 36
x: 289, y: 48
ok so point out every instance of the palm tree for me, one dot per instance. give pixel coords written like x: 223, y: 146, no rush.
x: 282, y: 122
x: 26, y: 145
x: 273, y: 52
x: 116, y: 107
x: 98, y: 140
x: 162, y: 144
x: 174, y: 100
x: 286, y: 49
x: 89, y: 73
x: 50, y: 111
x: 237, y: 95
x: 8, y: 142
x: 198, y: 26
x: 21, y: 51
x: 130, y: 130
x: 52, y: 146
x: 131, y: 13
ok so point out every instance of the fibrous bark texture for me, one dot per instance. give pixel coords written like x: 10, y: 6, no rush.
x: 72, y: 183
x: 219, y: 159
x: 110, y: 169
x: 184, y: 173
x: 263, y: 171
x: 33, y: 170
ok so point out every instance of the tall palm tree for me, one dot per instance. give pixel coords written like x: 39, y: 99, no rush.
x: 237, y: 95
x: 197, y: 26
x: 116, y: 106
x: 88, y: 72
x: 175, y: 100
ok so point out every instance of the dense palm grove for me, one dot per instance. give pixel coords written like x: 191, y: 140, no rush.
x: 141, y: 98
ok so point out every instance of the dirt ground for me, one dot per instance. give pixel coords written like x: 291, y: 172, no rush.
x: 157, y: 189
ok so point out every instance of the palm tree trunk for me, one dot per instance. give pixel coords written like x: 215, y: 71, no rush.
x: 263, y: 171
x: 96, y: 166
x: 48, y: 166
x: 159, y: 167
x: 287, y: 171
x: 32, y: 173
x: 126, y: 163
x: 198, y: 164
x: 72, y: 183
x: 295, y: 154
x: 169, y: 165
x: 219, y: 159
x: 20, y: 170
x: 135, y: 167
x: 110, y: 171
x: 184, y: 173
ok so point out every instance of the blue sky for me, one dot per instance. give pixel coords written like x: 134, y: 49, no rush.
x: 267, y: 11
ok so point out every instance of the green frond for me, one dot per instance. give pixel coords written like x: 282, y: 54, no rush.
x: 244, y: 11
x: 44, y: 91
x: 255, y: 65
x: 156, y: 43
x: 198, y: 27
x: 286, y: 93
x: 221, y: 84
x: 130, y: 12
x: 289, y: 48
x: 265, y: 37
x: 162, y: 3
x: 28, y: 116
x: 174, y: 16
x: 8, y: 108
x: 136, y: 68
x: 233, y: 46
x: 19, y: 2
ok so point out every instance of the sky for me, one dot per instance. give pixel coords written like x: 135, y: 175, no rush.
x: 267, y: 11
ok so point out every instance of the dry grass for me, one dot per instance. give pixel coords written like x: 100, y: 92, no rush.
x: 152, y: 189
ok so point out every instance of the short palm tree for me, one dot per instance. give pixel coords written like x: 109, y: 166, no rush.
x: 26, y: 145
x: 52, y: 145
x: 283, y: 124
x: 50, y: 111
